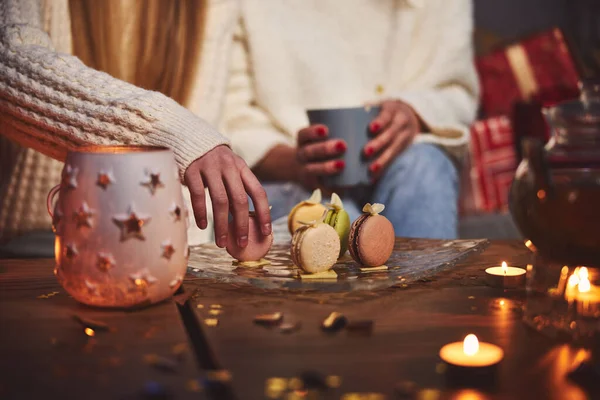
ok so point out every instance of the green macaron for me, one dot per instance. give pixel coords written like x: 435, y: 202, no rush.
x: 339, y: 219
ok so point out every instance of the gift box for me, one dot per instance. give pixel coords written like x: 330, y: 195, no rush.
x: 539, y: 65
x: 491, y: 166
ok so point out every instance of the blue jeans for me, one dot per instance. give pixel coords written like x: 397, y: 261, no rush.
x: 419, y: 190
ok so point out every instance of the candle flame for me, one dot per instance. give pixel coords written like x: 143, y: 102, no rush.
x: 504, y: 267
x: 583, y: 273
x: 502, y: 303
x: 584, y: 285
x: 573, y: 280
x: 471, y: 345
x: 89, y: 331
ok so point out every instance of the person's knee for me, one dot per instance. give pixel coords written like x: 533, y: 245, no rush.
x: 426, y: 166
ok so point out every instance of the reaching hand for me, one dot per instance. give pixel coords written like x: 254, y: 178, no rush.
x: 228, y: 180
x: 394, y: 129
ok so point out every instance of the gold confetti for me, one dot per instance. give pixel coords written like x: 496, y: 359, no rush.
x: 295, y: 384
x: 333, y: 381
x: 216, y: 306
x: 428, y: 394
x: 193, y: 386
x: 471, y: 297
x: 335, y: 321
x: 268, y: 319
x: 215, y: 312
x: 275, y: 387
x: 363, y: 396
x: 373, y: 269
x: 330, y: 274
x: 90, y: 323
x: 200, y: 306
x: 379, y: 89
x: 218, y: 375
x: 89, y: 331
x: 211, y: 322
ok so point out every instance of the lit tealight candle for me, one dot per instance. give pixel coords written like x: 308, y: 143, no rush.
x: 580, y: 290
x: 471, y: 353
x: 505, y: 276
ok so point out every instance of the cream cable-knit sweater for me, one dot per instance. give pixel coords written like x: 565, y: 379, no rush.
x: 51, y: 102
x: 291, y: 55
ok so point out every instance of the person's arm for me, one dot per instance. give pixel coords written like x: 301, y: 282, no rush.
x: 268, y: 151
x: 52, y: 102
x: 443, y: 89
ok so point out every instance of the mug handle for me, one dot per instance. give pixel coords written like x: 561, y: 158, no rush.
x: 50, y: 199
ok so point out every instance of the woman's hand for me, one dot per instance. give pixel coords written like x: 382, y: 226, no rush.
x: 316, y: 155
x: 228, y: 180
x: 394, y: 129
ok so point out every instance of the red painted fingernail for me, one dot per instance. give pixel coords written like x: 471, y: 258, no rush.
x: 369, y: 151
x: 340, y: 146
x: 340, y: 164
x: 375, y: 167
x: 375, y: 127
x: 321, y: 131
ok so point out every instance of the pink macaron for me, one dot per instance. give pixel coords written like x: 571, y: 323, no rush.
x: 372, y: 237
x: 258, y: 244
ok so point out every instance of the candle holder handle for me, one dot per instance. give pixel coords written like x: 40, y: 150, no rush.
x: 50, y: 199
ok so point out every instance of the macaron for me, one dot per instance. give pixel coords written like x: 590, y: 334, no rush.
x: 315, y: 247
x: 306, y: 211
x: 258, y: 244
x: 339, y: 220
x: 371, y: 239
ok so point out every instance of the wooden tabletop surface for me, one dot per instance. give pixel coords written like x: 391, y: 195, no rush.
x: 168, y: 350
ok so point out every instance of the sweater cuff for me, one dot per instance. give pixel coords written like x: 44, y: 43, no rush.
x: 186, y: 134
x: 254, y: 144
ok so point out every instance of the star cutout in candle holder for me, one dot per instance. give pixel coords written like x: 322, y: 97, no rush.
x: 167, y: 249
x: 175, y: 212
x: 71, y: 250
x: 143, y: 279
x: 92, y: 288
x: 131, y: 224
x: 56, y: 218
x: 105, y: 261
x: 105, y: 179
x: 152, y: 181
x: 176, y: 282
x: 69, y: 177
x: 83, y: 215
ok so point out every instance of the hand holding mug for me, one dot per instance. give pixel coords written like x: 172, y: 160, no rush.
x: 317, y: 154
x: 394, y: 129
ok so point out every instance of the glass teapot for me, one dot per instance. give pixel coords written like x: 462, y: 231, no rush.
x: 555, y: 196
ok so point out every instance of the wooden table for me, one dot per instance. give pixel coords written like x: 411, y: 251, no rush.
x: 46, y: 354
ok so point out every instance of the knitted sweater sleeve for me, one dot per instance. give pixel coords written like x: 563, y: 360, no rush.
x: 53, y: 103
x: 443, y: 86
x: 251, y: 130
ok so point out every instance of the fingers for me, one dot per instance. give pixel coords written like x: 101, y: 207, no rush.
x: 313, y: 133
x: 321, y: 151
x: 382, y: 121
x: 220, y: 202
x: 317, y: 169
x: 401, y: 141
x: 259, y: 199
x: 238, y: 204
x: 383, y: 139
x: 193, y: 180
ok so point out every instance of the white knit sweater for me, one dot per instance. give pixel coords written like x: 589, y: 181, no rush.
x: 291, y: 55
x: 50, y: 103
